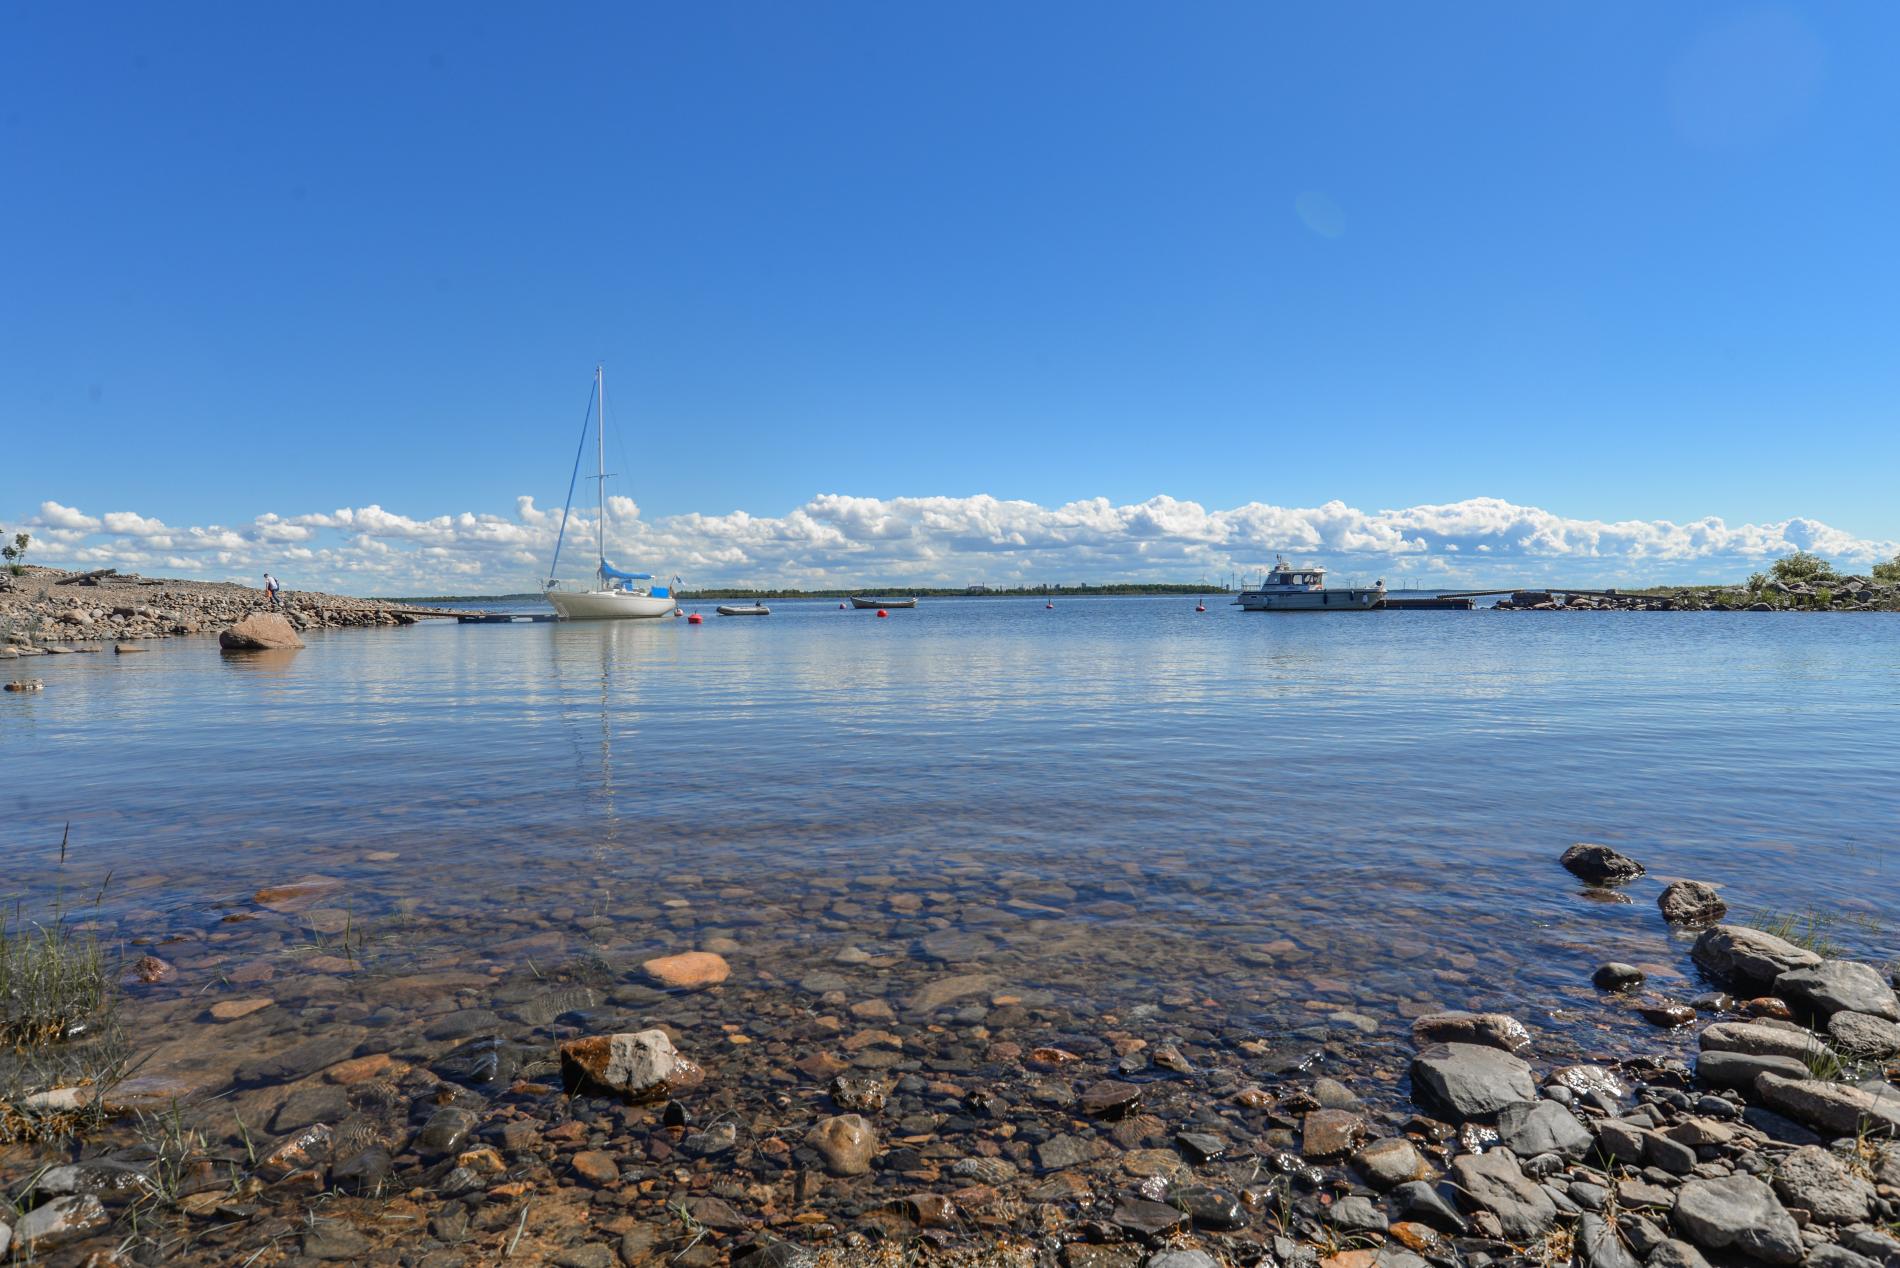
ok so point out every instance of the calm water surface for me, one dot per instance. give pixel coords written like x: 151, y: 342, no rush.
x: 1120, y: 804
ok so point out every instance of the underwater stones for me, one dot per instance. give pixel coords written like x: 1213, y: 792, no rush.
x: 1110, y: 1098
x: 847, y: 1143
x: 640, y: 1066
x: 1491, y: 1030
x: 233, y: 1009
x: 1616, y: 976
x: 1691, y: 903
x: 1599, y: 864
x: 1466, y: 1081
x: 687, y: 971
x: 597, y: 1167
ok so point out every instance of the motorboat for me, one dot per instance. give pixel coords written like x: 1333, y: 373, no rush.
x: 745, y: 609
x: 856, y: 602
x: 1289, y: 589
x: 613, y: 595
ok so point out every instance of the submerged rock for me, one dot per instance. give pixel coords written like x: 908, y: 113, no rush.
x: 687, y: 971
x: 60, y: 1220
x: 1599, y: 864
x: 640, y: 1066
x: 1491, y: 1030
x: 846, y: 1142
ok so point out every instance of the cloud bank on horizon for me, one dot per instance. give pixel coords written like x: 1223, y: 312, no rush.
x: 837, y: 540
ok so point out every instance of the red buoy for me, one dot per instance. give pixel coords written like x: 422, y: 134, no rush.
x: 1200, y: 607
x: 1050, y: 604
x: 882, y: 612
x: 841, y: 607
x: 695, y: 619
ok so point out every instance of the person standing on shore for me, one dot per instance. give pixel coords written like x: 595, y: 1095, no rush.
x: 270, y: 589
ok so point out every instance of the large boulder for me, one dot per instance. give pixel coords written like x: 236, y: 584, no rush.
x: 1815, y: 1179
x: 1839, y: 986
x: 641, y: 1066
x: 1748, y: 958
x: 1494, y: 1182
x: 1833, y: 1109
x: 1691, y: 903
x: 1737, y: 1213
x: 1599, y: 864
x: 259, y: 632
x: 1464, y: 1081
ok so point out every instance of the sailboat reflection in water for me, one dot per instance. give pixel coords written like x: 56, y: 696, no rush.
x: 616, y: 595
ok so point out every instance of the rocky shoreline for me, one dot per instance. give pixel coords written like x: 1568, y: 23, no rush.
x: 46, y: 611
x: 691, y: 1108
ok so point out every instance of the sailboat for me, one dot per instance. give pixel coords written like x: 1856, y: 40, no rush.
x: 616, y: 595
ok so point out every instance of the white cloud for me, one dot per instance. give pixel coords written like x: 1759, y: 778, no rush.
x: 838, y: 539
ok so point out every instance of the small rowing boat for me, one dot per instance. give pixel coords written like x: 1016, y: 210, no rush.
x: 882, y: 603
x: 748, y: 609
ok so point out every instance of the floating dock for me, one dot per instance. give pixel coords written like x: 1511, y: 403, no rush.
x: 503, y: 618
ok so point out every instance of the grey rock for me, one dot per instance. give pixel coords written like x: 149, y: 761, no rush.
x: 1816, y: 1179
x: 1829, y: 1255
x: 1675, y: 1254
x: 1739, y: 1070
x: 1209, y: 1207
x: 1737, y: 1213
x: 1839, y: 1109
x: 6, y: 1236
x: 1617, y: 976
x: 1489, y: 1030
x: 367, y: 1172
x: 59, y: 1220
x: 1864, y: 1035
x: 1466, y: 1081
x: 1622, y: 1141
x: 1599, y: 864
x: 335, y: 1241
x: 1691, y: 903
x: 1059, y: 1152
x: 1493, y: 1182
x: 1357, y: 1214
x: 640, y: 1065
x: 1148, y: 1220
x: 1749, y: 958
x: 445, y: 1132
x: 592, y: 1255
x: 1871, y: 1243
x: 1672, y: 1156
x: 1836, y: 986
x: 1528, y: 1128
x: 1182, y: 1259
x: 1390, y: 1162
x: 1418, y: 1200
x: 1601, y: 1247
x: 1760, y: 1039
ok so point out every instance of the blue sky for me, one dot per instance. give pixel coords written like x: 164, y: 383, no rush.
x: 1609, y: 262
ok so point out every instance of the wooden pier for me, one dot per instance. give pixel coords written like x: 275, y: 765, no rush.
x: 1442, y: 603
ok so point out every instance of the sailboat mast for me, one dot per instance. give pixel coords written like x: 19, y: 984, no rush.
x: 600, y: 484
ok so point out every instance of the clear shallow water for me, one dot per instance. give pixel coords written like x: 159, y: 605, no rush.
x: 1126, y: 804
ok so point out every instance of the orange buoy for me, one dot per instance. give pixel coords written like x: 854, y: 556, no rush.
x: 695, y: 619
x: 882, y: 612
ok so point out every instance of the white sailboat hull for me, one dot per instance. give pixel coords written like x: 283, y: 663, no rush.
x: 1310, y: 600
x: 609, y: 605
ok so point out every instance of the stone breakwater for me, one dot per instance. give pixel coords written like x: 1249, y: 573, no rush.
x: 692, y: 1108
x: 46, y: 610
x: 1844, y: 594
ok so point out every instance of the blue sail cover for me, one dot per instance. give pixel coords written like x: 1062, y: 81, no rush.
x: 608, y: 570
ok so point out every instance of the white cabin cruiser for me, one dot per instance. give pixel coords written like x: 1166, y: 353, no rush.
x: 614, y: 595
x: 1290, y: 589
